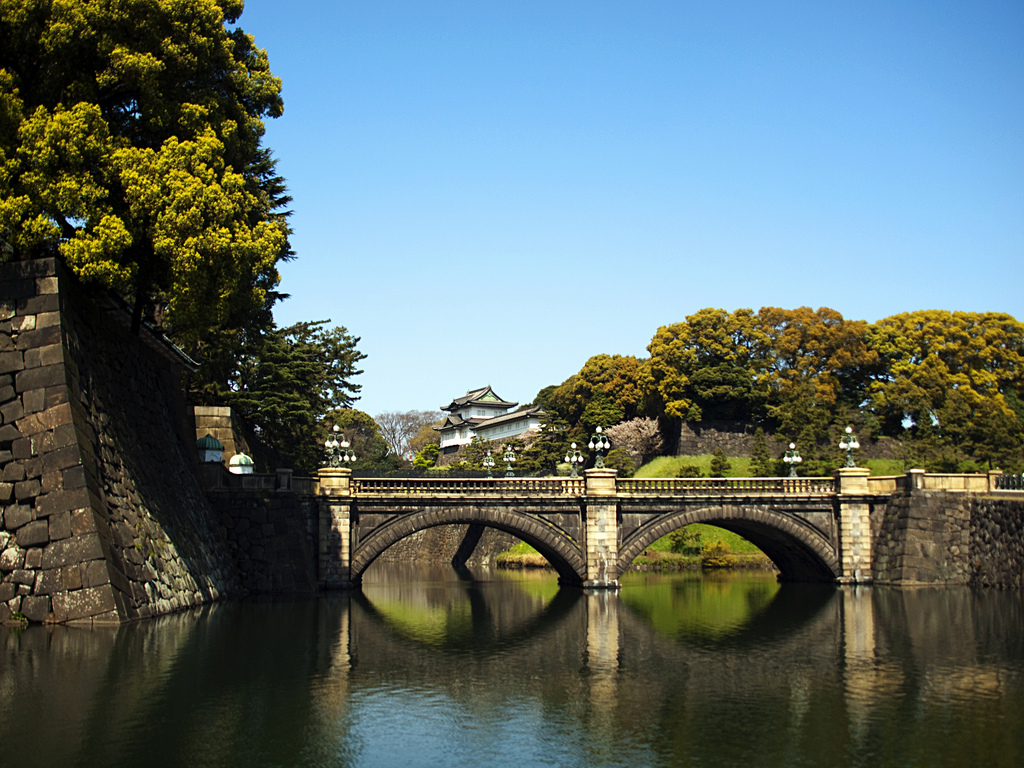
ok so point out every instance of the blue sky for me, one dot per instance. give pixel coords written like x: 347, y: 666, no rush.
x: 492, y: 192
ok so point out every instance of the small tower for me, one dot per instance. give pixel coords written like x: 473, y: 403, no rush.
x: 240, y: 464
x: 210, y: 449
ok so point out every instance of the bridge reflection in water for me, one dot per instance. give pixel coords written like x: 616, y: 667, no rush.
x: 432, y: 668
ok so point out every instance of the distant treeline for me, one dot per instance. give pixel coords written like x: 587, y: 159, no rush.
x: 950, y: 385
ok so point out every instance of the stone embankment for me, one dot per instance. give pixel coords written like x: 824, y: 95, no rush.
x: 939, y: 537
x: 104, y: 518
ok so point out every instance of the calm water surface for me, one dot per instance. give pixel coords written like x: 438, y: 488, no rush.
x: 484, y: 668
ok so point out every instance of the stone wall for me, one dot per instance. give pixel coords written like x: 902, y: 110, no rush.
x: 271, y: 533
x: 104, y: 519
x: 440, y: 545
x: 935, y: 537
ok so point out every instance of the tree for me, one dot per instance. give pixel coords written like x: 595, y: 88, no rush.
x: 364, y: 438
x: 761, y: 464
x: 640, y: 438
x: 719, y: 464
x: 818, y: 367
x: 399, y: 428
x: 296, y: 377
x: 130, y: 144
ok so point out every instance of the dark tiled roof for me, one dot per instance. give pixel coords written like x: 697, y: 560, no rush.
x: 474, y: 396
x: 514, y: 416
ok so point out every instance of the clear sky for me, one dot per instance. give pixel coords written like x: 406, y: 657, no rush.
x: 492, y: 192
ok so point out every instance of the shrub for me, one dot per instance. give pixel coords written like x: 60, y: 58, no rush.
x: 717, y: 555
x: 684, y: 542
x: 688, y: 470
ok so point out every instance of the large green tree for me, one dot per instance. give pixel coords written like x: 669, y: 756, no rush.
x: 130, y: 144
x: 297, y: 376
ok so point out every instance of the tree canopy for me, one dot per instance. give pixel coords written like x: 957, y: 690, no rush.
x: 950, y: 382
x: 130, y: 144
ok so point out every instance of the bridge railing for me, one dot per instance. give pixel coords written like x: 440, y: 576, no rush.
x: 725, y: 485
x: 498, y: 486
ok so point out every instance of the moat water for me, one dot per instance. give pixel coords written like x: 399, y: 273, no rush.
x: 495, y: 668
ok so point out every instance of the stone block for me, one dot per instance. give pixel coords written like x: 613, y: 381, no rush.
x: 7, y: 591
x: 34, y: 558
x: 12, y: 559
x: 27, y: 489
x: 62, y: 501
x: 34, y: 378
x: 16, y: 516
x: 95, y: 574
x: 34, y: 339
x: 34, y: 400
x: 77, y: 549
x: 83, y: 521
x: 33, y: 534
x: 23, y: 577
x: 48, y: 582
x: 11, y: 362
x: 71, y: 576
x: 47, y: 319
x: 6, y: 492
x: 12, y: 410
x: 35, y: 607
x: 60, y: 526
x: 89, y: 602
x: 9, y: 433
x: 36, y: 305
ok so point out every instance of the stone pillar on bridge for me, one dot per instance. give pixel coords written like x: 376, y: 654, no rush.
x: 854, y: 525
x: 602, y: 530
x: 334, y: 547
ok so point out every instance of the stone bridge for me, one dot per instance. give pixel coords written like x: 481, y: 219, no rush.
x: 590, y: 529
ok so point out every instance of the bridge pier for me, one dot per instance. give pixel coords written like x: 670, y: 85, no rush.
x: 334, y: 550
x: 602, y: 529
x: 854, y: 525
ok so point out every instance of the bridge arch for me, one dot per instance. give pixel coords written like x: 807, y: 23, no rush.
x: 564, y: 554
x: 799, y: 551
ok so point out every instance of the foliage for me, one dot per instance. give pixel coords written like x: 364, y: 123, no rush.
x: 640, y: 437
x: 546, y: 448
x: 688, y: 470
x: 685, y: 541
x: 130, y: 143
x: 426, y: 457
x: 719, y: 464
x: 717, y: 555
x: 287, y: 388
x: 399, y: 428
x: 364, y: 438
x: 761, y: 464
x: 617, y: 458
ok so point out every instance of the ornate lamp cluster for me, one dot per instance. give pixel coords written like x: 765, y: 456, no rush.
x: 599, y: 443
x: 575, y: 461
x: 488, y: 463
x: 338, y: 453
x: 848, y: 443
x: 510, y: 458
x: 792, y: 458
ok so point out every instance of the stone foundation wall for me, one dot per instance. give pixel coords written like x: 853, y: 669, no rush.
x: 104, y: 519
x: 271, y: 536
x: 934, y: 537
x: 440, y: 544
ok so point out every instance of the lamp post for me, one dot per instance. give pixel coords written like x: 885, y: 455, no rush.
x: 792, y: 458
x: 510, y: 457
x: 574, y: 460
x: 848, y: 443
x: 488, y: 463
x: 600, y: 444
x: 338, y: 453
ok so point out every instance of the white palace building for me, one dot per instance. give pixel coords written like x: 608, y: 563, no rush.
x: 481, y: 413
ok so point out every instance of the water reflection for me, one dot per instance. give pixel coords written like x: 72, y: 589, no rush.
x: 483, y: 668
